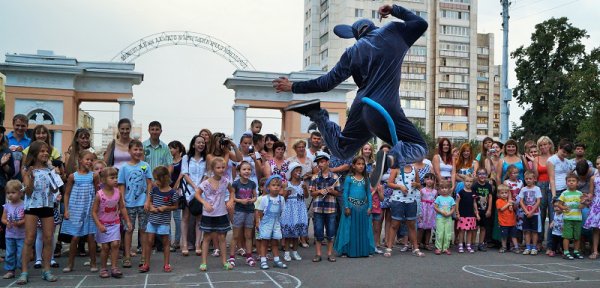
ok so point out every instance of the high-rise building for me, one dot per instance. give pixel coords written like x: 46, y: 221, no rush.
x: 448, y: 76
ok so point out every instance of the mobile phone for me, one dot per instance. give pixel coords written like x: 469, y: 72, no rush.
x: 250, y: 149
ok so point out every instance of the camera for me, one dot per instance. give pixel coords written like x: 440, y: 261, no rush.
x: 492, y: 150
x: 224, y: 141
x: 250, y: 149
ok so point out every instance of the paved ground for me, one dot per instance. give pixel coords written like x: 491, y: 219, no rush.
x: 482, y: 269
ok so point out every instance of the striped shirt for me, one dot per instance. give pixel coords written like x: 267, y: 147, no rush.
x: 157, y: 155
x: 160, y: 199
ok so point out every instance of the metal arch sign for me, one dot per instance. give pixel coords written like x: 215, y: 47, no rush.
x: 187, y: 38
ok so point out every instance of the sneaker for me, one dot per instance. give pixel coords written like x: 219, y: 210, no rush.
x: 482, y: 247
x: 534, y: 252
x: 287, y: 257
x: 279, y: 264
x: 393, y: 159
x: 461, y: 249
x: 38, y: 264
x: 231, y: 261
x: 469, y: 249
x: 306, y: 107
x: 526, y: 251
x: 378, y: 251
x: 296, y: 256
x: 378, y: 169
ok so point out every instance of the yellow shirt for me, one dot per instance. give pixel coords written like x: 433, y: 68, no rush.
x: 54, y: 155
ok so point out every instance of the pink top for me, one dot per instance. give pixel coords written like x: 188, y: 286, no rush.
x: 216, y: 198
x: 108, y: 212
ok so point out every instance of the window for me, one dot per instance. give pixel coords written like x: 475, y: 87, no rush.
x: 454, y: 46
x: 482, y: 132
x: 413, y: 69
x: 481, y: 108
x: 374, y: 14
x: 452, y: 111
x: 483, y: 50
x: 358, y: 12
x: 324, y: 5
x: 454, y: 62
x: 483, y: 85
x: 412, y: 104
x: 455, y: 30
x: 455, y: 127
x: 421, y: 14
x: 324, y: 25
x: 324, y: 54
x: 417, y: 50
x: 451, y: 14
x: 457, y: 1
x: 482, y: 120
x: 324, y: 39
x: 413, y: 85
x: 417, y: 121
x: 307, y: 14
x: 455, y: 78
x: 454, y: 94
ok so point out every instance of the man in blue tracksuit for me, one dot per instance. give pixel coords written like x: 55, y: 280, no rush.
x: 374, y: 62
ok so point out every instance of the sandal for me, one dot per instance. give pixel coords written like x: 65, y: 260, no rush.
x: 577, y: 255
x: 23, y: 278
x: 231, y: 261
x: 404, y: 248
x: 264, y: 265
x: 448, y: 252
x: 388, y: 252
x: 250, y: 261
x: 9, y: 275
x: 568, y: 256
x: 437, y: 252
x: 132, y: 254
x: 317, y: 258
x: 127, y: 263
x: 502, y: 250
x: 68, y: 269
x: 241, y: 252
x: 216, y: 253
x: 227, y: 266
x: 144, y: 268
x: 331, y: 258
x: 594, y: 255
x: 167, y: 268
x: 279, y: 264
x: 185, y: 253
x: 550, y: 254
x: 199, y: 252
x: 47, y: 275
x: 54, y: 264
x: 203, y: 267
x: 104, y: 273
x: 418, y: 253
x: 94, y: 269
x: 116, y: 273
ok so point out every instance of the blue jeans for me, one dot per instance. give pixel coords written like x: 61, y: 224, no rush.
x: 14, y: 248
x: 363, y: 123
x: 177, y: 220
x: 546, y: 210
x: 324, y: 221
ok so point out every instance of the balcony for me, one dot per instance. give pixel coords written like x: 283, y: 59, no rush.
x: 455, y: 135
x: 453, y: 102
x: 483, y: 113
x: 459, y: 70
x: 482, y: 126
x: 412, y: 94
x: 415, y: 58
x: 455, y: 119
x: 415, y: 113
x: 483, y: 79
x: 412, y: 76
x: 452, y: 85
x: 454, y: 54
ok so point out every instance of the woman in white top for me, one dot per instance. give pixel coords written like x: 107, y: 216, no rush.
x: 443, y: 164
x: 193, y: 171
x: 117, y: 152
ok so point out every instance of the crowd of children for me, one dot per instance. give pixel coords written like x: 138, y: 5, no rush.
x: 269, y: 213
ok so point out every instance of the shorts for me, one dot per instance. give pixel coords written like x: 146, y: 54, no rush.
x: 530, y: 224
x: 571, y: 229
x: 467, y: 223
x: 43, y: 212
x: 324, y: 222
x: 402, y: 211
x: 243, y: 219
x: 136, y: 213
x: 483, y: 221
x: 219, y: 224
x: 158, y: 229
x: 508, y: 231
x: 377, y: 217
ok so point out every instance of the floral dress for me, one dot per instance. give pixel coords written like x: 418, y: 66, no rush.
x: 593, y: 220
x: 294, y: 220
x: 279, y: 171
x: 428, y: 214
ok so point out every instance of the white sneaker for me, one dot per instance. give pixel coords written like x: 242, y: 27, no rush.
x: 286, y: 256
x: 378, y: 251
x: 296, y: 256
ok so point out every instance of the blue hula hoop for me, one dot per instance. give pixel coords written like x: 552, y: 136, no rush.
x: 385, y: 115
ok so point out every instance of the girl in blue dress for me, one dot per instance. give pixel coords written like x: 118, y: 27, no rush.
x: 355, y: 232
x: 79, y: 197
x: 294, y: 220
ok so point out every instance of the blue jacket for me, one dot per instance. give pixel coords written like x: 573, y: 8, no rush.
x: 374, y: 61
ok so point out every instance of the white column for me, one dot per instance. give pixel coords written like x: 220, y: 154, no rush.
x: 126, y: 108
x: 239, y: 120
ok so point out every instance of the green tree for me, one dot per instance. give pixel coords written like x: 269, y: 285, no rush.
x: 548, y: 71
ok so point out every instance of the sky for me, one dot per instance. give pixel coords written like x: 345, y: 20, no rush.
x: 267, y: 32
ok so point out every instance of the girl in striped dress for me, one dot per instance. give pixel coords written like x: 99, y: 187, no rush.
x: 79, y: 197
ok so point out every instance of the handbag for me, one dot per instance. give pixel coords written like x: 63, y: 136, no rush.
x: 193, y: 204
x: 110, y: 159
x: 195, y: 207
